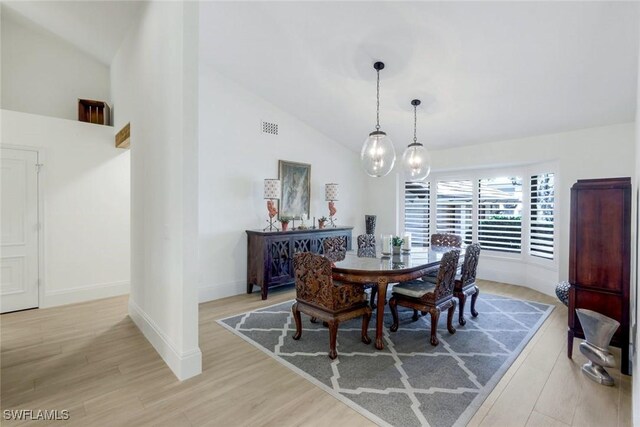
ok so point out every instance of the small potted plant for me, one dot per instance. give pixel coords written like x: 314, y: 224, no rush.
x: 321, y: 222
x: 396, y: 243
x: 284, y: 221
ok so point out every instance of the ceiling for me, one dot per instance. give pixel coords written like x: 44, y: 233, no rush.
x: 485, y: 71
x: 95, y: 27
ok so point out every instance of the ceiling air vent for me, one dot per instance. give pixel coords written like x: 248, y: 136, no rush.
x: 270, y: 128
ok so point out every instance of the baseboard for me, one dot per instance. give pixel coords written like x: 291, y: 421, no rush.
x: 221, y: 290
x: 84, y: 293
x: 183, y: 364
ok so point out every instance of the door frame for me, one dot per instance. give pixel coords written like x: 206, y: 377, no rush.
x: 40, y: 152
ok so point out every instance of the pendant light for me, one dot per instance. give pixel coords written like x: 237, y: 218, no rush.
x: 378, y: 154
x: 416, y: 160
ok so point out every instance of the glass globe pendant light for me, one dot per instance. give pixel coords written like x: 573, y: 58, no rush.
x: 378, y: 154
x: 416, y: 160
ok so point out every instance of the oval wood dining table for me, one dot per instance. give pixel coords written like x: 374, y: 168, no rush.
x: 384, y: 270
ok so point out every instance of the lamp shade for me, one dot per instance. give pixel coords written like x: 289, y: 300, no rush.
x: 330, y: 192
x: 272, y: 189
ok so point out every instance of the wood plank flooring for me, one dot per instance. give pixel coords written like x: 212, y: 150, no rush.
x: 91, y: 359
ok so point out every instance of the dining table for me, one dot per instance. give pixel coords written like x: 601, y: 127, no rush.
x: 383, y: 270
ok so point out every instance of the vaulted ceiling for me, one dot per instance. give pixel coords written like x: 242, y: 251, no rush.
x: 96, y: 27
x: 484, y: 71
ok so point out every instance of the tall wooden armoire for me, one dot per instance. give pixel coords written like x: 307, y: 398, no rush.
x: 599, y: 256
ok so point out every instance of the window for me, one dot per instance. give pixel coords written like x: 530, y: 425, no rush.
x: 454, y: 208
x: 500, y: 214
x: 417, y: 216
x: 542, y: 206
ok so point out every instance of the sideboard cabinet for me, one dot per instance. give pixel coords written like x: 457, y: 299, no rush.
x: 599, y: 256
x: 270, y: 254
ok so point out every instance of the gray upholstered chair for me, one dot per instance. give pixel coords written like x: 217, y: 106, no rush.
x: 465, y: 285
x: 429, y: 297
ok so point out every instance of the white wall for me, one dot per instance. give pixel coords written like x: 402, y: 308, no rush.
x: 154, y: 86
x: 43, y: 74
x: 635, y: 292
x: 587, y: 153
x: 235, y: 158
x: 85, y: 187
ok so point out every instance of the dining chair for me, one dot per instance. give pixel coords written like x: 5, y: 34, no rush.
x: 318, y: 296
x: 367, y: 249
x: 465, y: 285
x: 446, y: 240
x: 335, y: 248
x: 429, y: 297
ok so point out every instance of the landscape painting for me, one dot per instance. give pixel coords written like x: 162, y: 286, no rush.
x: 296, y: 189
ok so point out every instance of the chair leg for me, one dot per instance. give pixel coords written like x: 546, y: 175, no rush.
x: 333, y: 335
x: 372, y: 302
x: 462, y: 298
x: 298, y: 319
x: 435, y: 316
x: 415, y: 316
x: 365, y: 328
x: 474, y: 297
x: 450, y: 313
x: 393, y: 305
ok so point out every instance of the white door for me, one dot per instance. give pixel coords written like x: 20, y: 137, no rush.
x: 18, y: 230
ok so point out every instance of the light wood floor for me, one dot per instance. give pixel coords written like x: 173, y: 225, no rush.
x: 90, y: 358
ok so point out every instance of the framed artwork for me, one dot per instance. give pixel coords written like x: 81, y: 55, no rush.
x: 296, y: 189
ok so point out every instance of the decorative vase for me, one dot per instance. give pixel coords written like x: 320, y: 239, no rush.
x: 370, y: 224
x: 285, y: 226
x: 598, y: 331
x: 396, y: 250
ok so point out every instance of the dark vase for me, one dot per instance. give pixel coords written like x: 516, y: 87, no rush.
x: 370, y: 224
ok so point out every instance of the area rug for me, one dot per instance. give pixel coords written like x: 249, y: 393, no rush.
x: 410, y: 382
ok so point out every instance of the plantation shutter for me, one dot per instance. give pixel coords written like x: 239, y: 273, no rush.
x: 542, y: 222
x: 417, y: 215
x: 454, y: 208
x: 500, y: 214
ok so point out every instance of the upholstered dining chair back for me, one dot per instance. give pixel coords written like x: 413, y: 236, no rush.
x: 470, y: 264
x: 367, y: 245
x: 446, y: 239
x: 447, y: 274
x: 335, y: 248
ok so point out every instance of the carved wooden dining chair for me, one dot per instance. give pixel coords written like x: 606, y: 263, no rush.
x: 465, y: 285
x: 429, y: 297
x: 335, y: 248
x: 367, y: 249
x: 446, y: 239
x: 318, y: 296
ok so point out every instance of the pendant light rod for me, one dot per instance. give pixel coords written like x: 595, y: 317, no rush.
x: 415, y: 104
x: 378, y: 66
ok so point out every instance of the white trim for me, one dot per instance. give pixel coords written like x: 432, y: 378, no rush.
x: 183, y: 364
x: 83, y: 293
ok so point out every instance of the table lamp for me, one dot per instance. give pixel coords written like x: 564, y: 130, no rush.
x: 272, y: 190
x: 331, y: 195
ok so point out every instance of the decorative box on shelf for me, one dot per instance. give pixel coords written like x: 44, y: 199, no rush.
x: 270, y: 254
x: 91, y: 111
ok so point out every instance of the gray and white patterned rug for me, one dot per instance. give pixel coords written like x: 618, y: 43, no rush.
x: 410, y: 382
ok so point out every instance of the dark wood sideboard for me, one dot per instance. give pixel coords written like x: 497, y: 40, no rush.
x: 599, y: 256
x: 270, y: 254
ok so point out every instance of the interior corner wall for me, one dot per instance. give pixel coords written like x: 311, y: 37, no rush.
x: 154, y: 87
x: 84, y: 188
x: 597, y: 152
x: 43, y: 74
x: 236, y: 157
x: 635, y: 243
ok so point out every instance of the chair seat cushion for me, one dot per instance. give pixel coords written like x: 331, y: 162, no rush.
x: 434, y: 279
x: 414, y: 289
